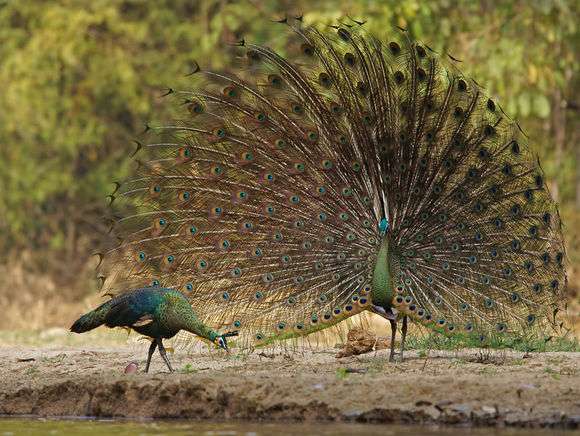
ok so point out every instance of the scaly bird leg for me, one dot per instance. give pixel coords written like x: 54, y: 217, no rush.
x: 403, y: 336
x: 151, y: 351
x: 393, y: 334
x: 164, y: 354
x: 391, y: 315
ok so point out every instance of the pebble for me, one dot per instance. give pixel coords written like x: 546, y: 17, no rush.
x: 132, y: 368
x: 488, y: 410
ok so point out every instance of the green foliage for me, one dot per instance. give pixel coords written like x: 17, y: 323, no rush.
x: 341, y: 373
x: 81, y: 78
x: 188, y: 369
x: 435, y: 341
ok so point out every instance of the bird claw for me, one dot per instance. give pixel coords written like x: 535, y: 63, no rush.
x: 396, y: 357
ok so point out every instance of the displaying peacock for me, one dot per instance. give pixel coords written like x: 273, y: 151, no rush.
x: 154, y: 312
x: 351, y: 174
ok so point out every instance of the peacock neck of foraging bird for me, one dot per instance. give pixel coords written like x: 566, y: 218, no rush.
x: 382, y: 289
x: 180, y: 316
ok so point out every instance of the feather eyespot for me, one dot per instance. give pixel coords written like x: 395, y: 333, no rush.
x: 325, y: 80
x: 420, y: 51
x: 343, y: 34
x: 219, y: 133
x: 394, y: 48
x: 362, y: 89
x: 335, y: 108
x: 230, y: 91
x: 297, y: 108
x: 195, y: 108
x: 349, y: 59
x: 399, y: 77
x: 253, y: 55
x: 307, y: 49
x: 275, y: 80
x: 261, y: 117
x: 312, y: 136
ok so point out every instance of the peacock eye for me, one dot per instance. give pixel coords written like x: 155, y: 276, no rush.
x: 275, y: 80
x: 297, y: 109
x: 195, y: 108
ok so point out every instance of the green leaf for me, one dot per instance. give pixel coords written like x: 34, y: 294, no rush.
x: 524, y: 104
x: 541, y: 106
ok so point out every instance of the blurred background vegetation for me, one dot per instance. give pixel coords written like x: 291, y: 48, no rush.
x: 80, y: 78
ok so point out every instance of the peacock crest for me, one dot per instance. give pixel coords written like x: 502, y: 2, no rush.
x: 349, y: 174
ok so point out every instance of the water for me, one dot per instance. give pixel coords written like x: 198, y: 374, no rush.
x: 46, y: 427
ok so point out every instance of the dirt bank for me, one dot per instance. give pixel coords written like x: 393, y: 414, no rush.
x: 469, y: 387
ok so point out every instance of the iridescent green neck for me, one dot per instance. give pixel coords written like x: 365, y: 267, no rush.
x: 181, y: 316
x: 382, y: 291
x: 194, y: 325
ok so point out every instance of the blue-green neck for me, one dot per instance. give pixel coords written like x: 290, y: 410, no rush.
x: 382, y: 290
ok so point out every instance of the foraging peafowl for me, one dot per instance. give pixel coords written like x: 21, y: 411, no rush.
x: 154, y: 312
x: 349, y: 175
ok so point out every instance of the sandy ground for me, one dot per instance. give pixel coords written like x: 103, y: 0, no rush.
x: 466, y: 387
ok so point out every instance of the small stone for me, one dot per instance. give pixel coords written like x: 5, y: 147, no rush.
x: 488, y: 410
x: 318, y: 386
x: 352, y: 414
x: 523, y: 388
x: 462, y: 408
x: 132, y: 368
x: 432, y: 412
x: 441, y: 404
x: 515, y: 418
x: 423, y: 403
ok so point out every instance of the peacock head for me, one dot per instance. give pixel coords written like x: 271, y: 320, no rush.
x: 383, y: 226
x: 221, y: 341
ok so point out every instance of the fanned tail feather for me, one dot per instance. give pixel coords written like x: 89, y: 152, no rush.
x: 263, y: 204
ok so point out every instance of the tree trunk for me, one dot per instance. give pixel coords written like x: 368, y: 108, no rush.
x: 559, y: 129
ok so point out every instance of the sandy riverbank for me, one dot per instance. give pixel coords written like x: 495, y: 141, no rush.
x: 466, y: 387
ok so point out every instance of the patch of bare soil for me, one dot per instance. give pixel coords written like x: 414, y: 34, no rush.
x: 464, y: 388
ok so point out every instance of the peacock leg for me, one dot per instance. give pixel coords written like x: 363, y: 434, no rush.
x: 151, y: 351
x: 164, y: 354
x: 403, y: 336
x: 393, y: 334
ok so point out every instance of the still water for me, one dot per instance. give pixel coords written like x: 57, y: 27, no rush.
x: 38, y: 427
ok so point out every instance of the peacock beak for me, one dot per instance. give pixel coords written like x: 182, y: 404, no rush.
x: 222, y: 343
